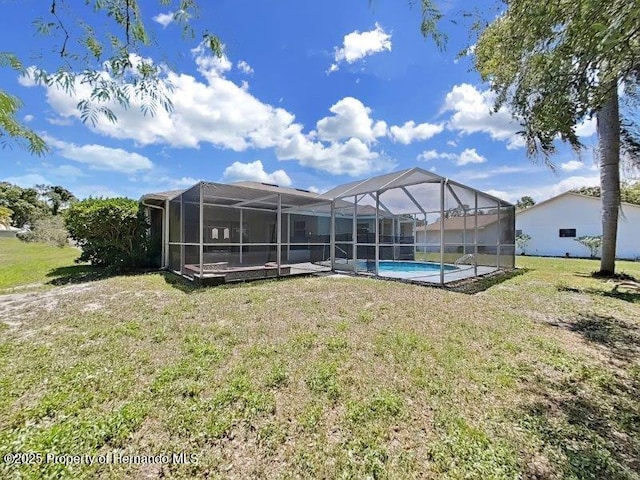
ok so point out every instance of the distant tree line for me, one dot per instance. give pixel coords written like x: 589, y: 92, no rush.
x: 629, y: 192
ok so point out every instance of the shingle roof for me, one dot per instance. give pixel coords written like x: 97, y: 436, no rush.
x: 457, y: 223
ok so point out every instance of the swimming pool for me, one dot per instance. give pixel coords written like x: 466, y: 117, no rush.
x: 402, y: 267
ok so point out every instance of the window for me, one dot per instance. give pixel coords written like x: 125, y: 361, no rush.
x: 567, y: 232
x: 518, y: 233
x: 299, y: 229
x: 363, y: 228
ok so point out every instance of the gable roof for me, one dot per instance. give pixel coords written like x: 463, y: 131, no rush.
x: 569, y: 193
x: 457, y: 223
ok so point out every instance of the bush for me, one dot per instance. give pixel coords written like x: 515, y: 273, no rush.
x: 49, y: 230
x: 112, y: 232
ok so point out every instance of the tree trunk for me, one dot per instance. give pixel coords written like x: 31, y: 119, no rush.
x: 609, y: 153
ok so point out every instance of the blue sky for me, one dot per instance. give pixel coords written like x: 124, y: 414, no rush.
x: 308, y: 94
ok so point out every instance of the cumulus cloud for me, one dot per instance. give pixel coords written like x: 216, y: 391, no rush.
x: 164, y: 19
x: 351, y: 119
x: 572, y: 165
x: 545, y: 191
x: 473, y: 113
x: 244, y: 67
x: 99, y: 157
x: 434, y: 154
x: 586, y: 128
x: 410, y: 132
x: 470, y: 155
x: 254, y: 171
x: 467, y: 156
x: 222, y: 113
x: 28, y: 118
x: 358, y: 45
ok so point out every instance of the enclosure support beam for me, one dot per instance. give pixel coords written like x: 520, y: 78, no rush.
x: 201, y: 237
x: 288, y: 237
x: 255, y: 200
x: 442, y: 232
x: 377, y: 199
x: 475, y: 235
x: 241, y: 233
x: 415, y: 238
x: 377, y: 243
x: 279, y: 232
x: 332, y: 236
x: 181, y: 234
x: 165, y: 227
x: 354, y: 233
x: 413, y: 199
x: 499, y: 238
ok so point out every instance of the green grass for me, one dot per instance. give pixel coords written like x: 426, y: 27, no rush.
x: 537, y: 376
x: 31, y: 263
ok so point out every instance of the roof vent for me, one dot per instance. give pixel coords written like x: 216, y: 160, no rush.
x: 270, y: 184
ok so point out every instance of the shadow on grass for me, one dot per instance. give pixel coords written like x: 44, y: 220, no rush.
x: 587, y: 417
x: 585, y: 430
x: 620, y: 338
x: 626, y: 296
x: 473, y: 286
x: 77, y: 274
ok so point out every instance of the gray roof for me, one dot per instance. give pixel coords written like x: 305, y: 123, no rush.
x: 267, y: 196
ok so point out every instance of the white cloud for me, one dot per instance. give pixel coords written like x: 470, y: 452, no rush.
x: 572, y: 165
x: 60, y: 121
x: 28, y: 118
x: 489, y: 173
x: 314, y: 189
x: 434, y: 154
x: 358, y: 45
x: 472, y: 113
x: 28, y: 180
x: 352, y: 157
x: 545, y: 191
x: 254, y: 171
x: 167, y: 182
x: 99, y: 157
x: 587, y: 127
x: 244, y: 67
x: 164, y: 19
x: 452, y: 143
x: 351, y: 120
x: 469, y: 155
x: 219, y: 112
x: 410, y: 132
x: 498, y: 193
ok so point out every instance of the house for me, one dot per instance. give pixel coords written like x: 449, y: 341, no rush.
x: 460, y: 230
x: 554, y: 224
x: 249, y: 228
x: 7, y: 231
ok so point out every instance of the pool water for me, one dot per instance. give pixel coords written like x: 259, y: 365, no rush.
x: 399, y: 266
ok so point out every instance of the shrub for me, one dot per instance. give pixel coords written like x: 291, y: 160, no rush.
x: 112, y: 232
x: 593, y: 243
x: 522, y: 241
x: 49, y: 230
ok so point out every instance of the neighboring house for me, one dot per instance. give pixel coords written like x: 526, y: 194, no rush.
x: 459, y: 230
x: 7, y: 231
x: 554, y: 224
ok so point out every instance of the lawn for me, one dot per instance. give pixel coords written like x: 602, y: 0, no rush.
x: 326, y: 377
x: 31, y: 263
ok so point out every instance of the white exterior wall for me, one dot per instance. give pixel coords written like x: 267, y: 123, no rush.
x: 583, y: 213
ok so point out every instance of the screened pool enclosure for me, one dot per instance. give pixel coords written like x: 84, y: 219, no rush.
x: 411, y: 225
